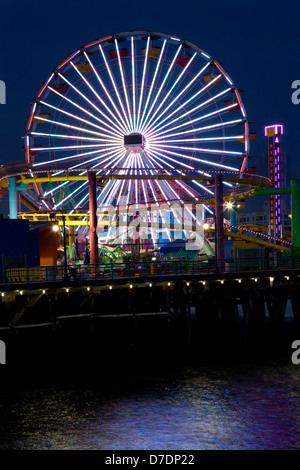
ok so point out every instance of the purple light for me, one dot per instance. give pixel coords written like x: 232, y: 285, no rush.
x: 278, y: 129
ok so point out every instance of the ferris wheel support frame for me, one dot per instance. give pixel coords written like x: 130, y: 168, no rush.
x: 13, y: 187
x: 92, y: 188
x: 260, y: 189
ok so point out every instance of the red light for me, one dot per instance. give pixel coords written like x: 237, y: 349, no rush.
x: 97, y: 42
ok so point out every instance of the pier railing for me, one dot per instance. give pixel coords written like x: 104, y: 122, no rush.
x: 144, y: 271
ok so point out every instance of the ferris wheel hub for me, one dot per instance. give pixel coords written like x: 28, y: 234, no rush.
x: 134, y: 141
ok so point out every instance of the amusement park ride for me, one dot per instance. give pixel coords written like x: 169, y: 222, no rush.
x: 141, y: 121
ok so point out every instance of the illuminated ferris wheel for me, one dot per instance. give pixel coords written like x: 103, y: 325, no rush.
x: 135, y: 103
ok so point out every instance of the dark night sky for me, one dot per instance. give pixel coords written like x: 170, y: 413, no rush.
x: 256, y: 41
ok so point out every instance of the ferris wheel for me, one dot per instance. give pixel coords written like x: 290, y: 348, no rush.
x: 135, y: 103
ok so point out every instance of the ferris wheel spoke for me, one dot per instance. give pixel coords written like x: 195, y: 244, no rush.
x: 147, y: 202
x: 162, y: 191
x: 112, y: 193
x: 74, y: 192
x: 71, y: 157
x: 129, y: 192
x: 205, y: 117
x: 74, y: 116
x: 183, y: 185
x: 75, y: 156
x: 116, y: 159
x: 163, y: 157
x: 99, y: 98
x: 148, y: 118
x: 101, y: 159
x: 73, y: 167
x: 152, y: 85
x: 196, y: 95
x: 65, y: 136
x: 143, y: 83
x: 110, y: 184
x: 203, y: 105
x: 130, y: 185
x: 176, y: 82
x: 168, y: 94
x: 153, y: 157
x: 212, y: 127
x: 196, y: 139
x: 202, y: 150
x: 120, y: 193
x: 187, y: 189
x: 108, y: 192
x: 124, y: 85
x: 78, y: 205
x: 140, y: 164
x: 133, y: 85
x: 125, y: 160
x: 89, y: 101
x: 69, y: 126
x: 187, y: 114
x: 215, y: 164
x: 72, y: 147
x: 83, y: 109
x: 107, y: 150
x: 203, y: 187
x: 170, y: 193
x: 107, y: 94
x: 57, y: 187
x: 82, y: 200
x: 159, y: 211
x: 156, y: 200
x: 173, y: 192
x: 71, y: 194
x: 115, y: 88
x: 111, y: 159
x: 69, y: 183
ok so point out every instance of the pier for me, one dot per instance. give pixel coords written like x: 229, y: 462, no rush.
x: 178, y: 311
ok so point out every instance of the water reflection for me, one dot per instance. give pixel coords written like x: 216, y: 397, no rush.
x: 242, y: 407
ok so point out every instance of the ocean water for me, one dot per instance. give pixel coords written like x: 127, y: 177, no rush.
x: 247, y: 405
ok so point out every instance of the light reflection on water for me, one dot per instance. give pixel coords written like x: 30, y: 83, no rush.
x: 239, y: 407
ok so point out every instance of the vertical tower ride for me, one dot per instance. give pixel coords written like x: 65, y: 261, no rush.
x: 273, y: 133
